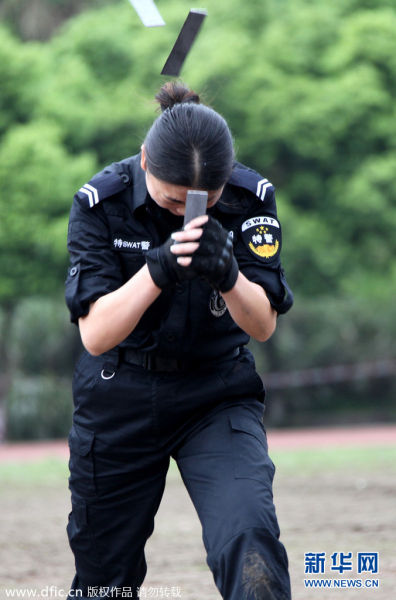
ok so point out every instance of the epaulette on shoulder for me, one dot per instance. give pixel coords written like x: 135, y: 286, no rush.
x: 100, y: 187
x: 251, y: 180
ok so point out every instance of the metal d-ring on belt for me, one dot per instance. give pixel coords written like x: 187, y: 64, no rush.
x: 154, y: 362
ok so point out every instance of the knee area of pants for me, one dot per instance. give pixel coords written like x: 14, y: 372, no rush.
x: 257, y: 564
x: 261, y: 578
x: 252, y: 537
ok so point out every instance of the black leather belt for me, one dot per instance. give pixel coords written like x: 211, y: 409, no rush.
x: 153, y: 362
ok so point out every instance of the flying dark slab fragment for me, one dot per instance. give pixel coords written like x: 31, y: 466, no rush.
x: 183, y: 44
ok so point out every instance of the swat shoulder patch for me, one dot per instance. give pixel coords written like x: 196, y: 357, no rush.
x: 100, y: 187
x: 252, y: 181
x: 263, y: 238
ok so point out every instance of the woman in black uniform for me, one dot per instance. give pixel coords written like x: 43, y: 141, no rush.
x: 165, y: 315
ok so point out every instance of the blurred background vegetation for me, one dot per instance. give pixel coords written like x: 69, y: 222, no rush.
x: 308, y: 89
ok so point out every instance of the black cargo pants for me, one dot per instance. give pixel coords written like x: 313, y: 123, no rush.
x: 127, y: 423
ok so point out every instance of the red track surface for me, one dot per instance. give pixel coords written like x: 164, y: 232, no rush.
x: 376, y: 435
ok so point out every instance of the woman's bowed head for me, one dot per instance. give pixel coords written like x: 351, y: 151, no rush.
x: 189, y: 144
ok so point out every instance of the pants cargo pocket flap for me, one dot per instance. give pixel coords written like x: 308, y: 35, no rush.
x: 249, y: 448
x: 81, y: 440
x: 249, y: 425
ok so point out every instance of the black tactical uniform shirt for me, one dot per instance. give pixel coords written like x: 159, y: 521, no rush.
x: 113, y: 222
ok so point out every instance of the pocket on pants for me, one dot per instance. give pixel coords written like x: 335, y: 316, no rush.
x: 81, y: 463
x: 250, y: 449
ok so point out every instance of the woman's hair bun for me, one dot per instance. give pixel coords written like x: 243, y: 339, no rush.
x: 174, y: 92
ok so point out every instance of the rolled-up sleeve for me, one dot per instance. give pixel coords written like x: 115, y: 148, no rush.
x: 94, y: 268
x: 258, y: 240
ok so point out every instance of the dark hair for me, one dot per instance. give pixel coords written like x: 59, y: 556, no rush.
x: 189, y: 144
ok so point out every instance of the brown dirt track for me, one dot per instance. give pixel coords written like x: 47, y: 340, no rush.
x: 330, y: 511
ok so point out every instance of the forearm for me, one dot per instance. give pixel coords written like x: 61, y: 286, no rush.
x: 250, y: 308
x: 114, y: 316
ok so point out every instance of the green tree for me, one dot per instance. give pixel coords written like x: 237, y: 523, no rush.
x: 20, y: 71
x: 38, y: 178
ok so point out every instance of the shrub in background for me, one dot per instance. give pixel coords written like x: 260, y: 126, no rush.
x: 42, y: 347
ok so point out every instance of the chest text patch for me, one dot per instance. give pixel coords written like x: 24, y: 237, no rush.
x: 131, y: 245
x: 262, y: 236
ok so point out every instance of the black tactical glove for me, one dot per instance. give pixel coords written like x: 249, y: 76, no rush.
x: 164, y: 268
x: 214, y: 259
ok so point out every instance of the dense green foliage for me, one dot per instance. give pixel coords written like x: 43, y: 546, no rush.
x: 308, y: 89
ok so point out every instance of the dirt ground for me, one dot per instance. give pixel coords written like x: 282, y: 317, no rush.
x: 342, y: 512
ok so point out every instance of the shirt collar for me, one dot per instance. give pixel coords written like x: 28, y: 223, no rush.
x: 138, y: 178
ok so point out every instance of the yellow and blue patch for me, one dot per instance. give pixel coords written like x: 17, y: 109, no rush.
x: 263, y: 238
